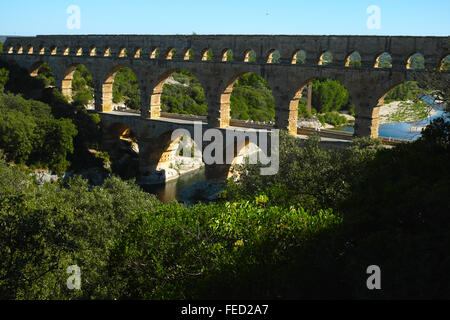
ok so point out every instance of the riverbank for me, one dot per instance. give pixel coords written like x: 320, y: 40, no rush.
x: 405, y: 111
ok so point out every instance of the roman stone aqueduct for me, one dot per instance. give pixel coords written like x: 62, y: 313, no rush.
x: 153, y: 58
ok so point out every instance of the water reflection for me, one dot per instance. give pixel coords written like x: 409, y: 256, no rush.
x: 190, y: 188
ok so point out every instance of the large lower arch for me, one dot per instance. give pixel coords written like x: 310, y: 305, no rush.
x: 323, y: 99
x: 82, y: 90
x: 189, y: 99
x: 111, y: 91
x: 254, y: 103
x: 43, y: 71
x: 165, y: 157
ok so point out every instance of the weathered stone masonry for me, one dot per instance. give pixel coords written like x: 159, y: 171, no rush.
x: 104, y: 55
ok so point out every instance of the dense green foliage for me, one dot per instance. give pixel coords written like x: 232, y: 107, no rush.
x: 184, y: 97
x: 30, y: 134
x: 82, y: 86
x: 329, y: 95
x: 126, y: 89
x: 252, y: 99
x: 406, y: 91
x: 46, y: 112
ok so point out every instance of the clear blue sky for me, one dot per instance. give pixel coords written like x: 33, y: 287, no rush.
x: 398, y: 17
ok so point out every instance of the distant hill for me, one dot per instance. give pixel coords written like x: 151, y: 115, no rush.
x: 3, y: 38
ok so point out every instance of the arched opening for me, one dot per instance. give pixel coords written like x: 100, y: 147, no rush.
x: 93, y: 51
x: 326, y: 59
x: 107, y: 52
x: 445, y: 65
x: 11, y: 50
x: 322, y: 103
x: 227, y: 55
x: 353, y: 60
x: 123, y: 52
x: 250, y: 56
x: 122, y: 145
x: 247, y: 101
x: 137, y: 53
x: 384, y: 61
x: 41, y: 70
x: 299, y: 57
x: 171, y: 54
x: 77, y: 86
x: 168, y: 157
x: 179, y: 92
x: 30, y: 50
x: 79, y: 51
x: 20, y: 50
x: 66, y: 51
x: 189, y: 54
x: 120, y: 91
x: 53, y: 50
x: 41, y: 50
x: 207, y: 55
x: 405, y: 109
x: 154, y: 53
x: 274, y: 56
x: 416, y: 62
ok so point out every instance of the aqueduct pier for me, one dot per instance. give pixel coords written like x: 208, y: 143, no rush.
x: 153, y: 58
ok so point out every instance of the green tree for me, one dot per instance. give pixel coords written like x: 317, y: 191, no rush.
x: 329, y: 95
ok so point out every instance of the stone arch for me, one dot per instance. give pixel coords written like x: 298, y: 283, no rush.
x: 107, y: 51
x: 188, y: 54
x: 67, y: 82
x: 250, y: 56
x: 79, y: 51
x: 416, y: 61
x: 30, y: 49
x: 20, y: 50
x: 123, y: 52
x: 119, y: 140
x: 10, y: 50
x: 93, y: 51
x: 137, y: 53
x: 170, y: 54
x: 154, y: 52
x: 66, y: 51
x: 383, y: 61
x: 326, y: 58
x: 273, y: 56
x: 162, y: 154
x: 353, y: 59
x: 207, y: 55
x: 303, y: 97
x: 155, y: 99
x: 108, y: 87
x: 299, y: 57
x: 41, y: 50
x: 53, y: 50
x: 225, y: 99
x: 227, y: 55
x: 445, y: 63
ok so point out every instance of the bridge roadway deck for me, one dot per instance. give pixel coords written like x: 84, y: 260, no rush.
x: 345, y: 140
